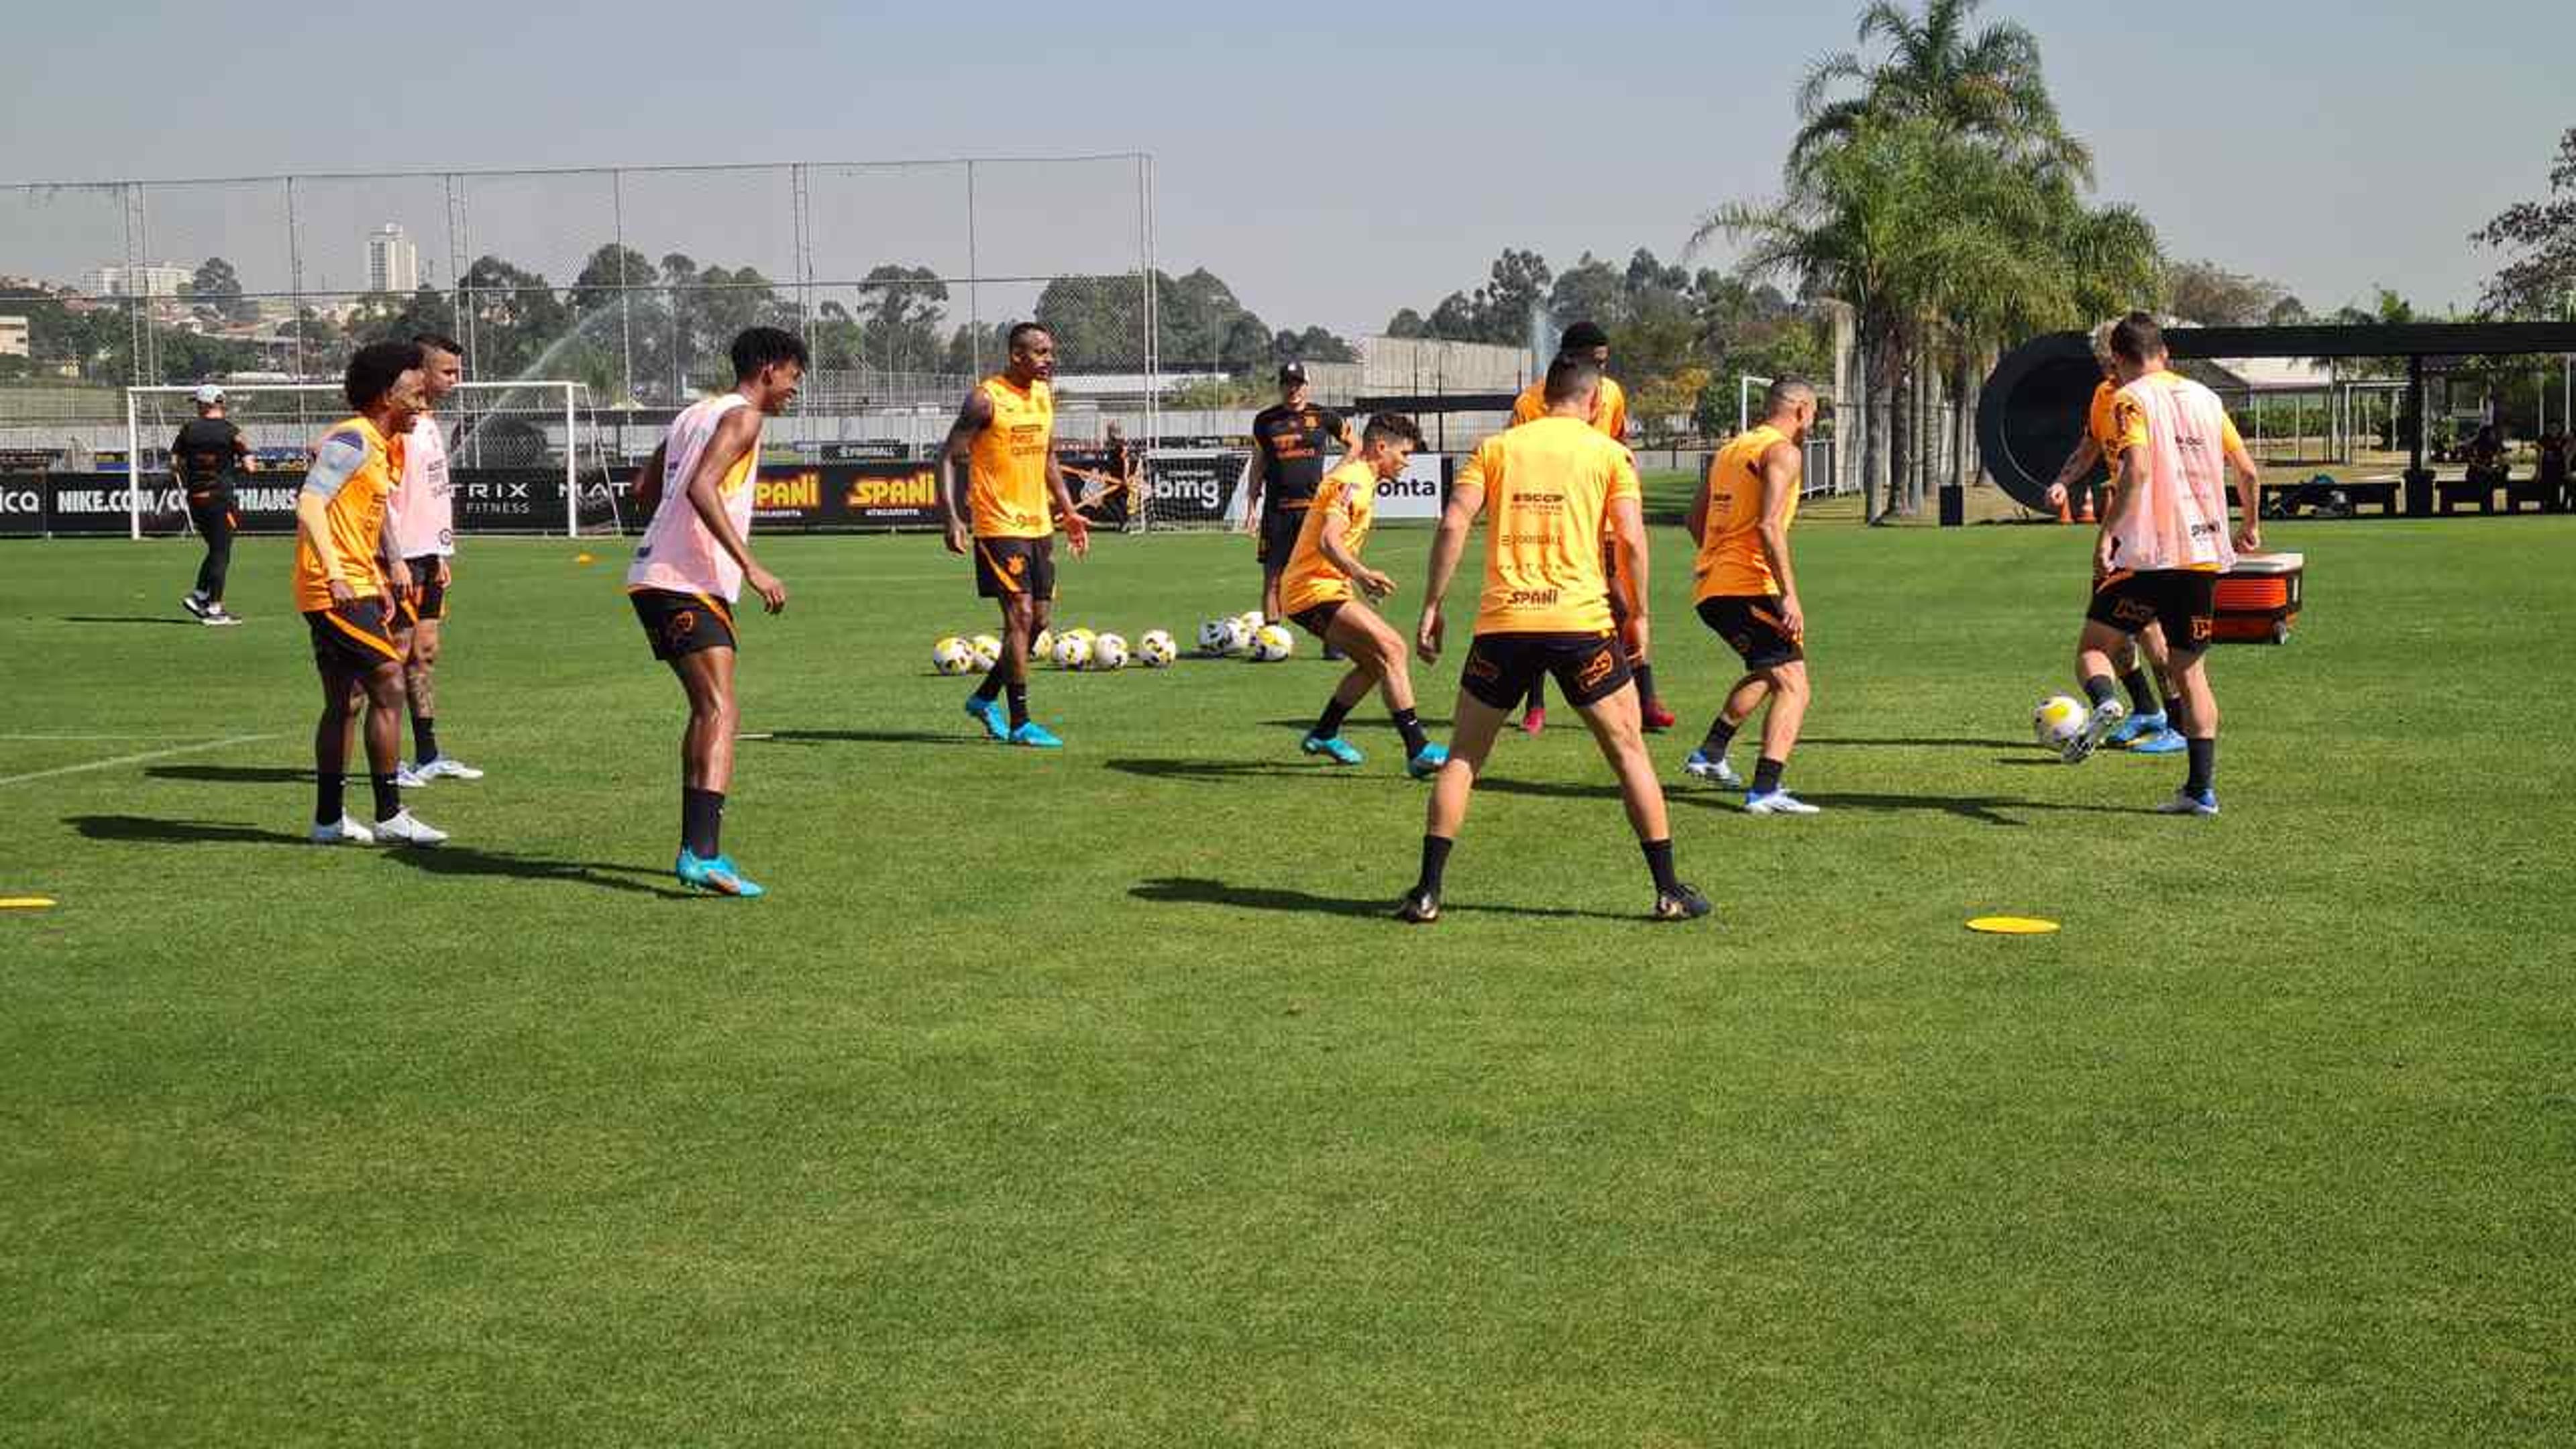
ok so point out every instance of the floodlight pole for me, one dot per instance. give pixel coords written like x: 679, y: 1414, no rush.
x: 572, y: 503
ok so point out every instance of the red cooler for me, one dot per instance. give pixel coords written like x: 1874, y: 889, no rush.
x: 2258, y: 600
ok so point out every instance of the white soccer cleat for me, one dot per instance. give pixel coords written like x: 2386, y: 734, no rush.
x: 1716, y: 772
x: 343, y: 831
x: 1779, y: 802
x: 2098, y: 726
x: 408, y: 778
x: 446, y: 768
x: 2186, y: 803
x: 403, y: 829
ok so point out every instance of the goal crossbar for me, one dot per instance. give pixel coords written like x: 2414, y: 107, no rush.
x: 573, y: 396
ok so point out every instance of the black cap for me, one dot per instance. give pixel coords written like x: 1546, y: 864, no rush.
x: 1583, y: 337
x: 1291, y: 372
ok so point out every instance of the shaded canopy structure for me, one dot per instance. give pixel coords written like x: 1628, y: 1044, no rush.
x: 2032, y: 413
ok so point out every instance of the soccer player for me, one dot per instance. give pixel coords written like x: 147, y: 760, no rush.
x: 1610, y: 417
x: 1280, y: 478
x: 348, y: 571
x: 206, y: 455
x: 425, y: 525
x: 1550, y: 490
x: 2146, y: 731
x: 1321, y: 587
x: 691, y: 567
x: 2163, y: 545
x: 1003, y: 481
x: 1748, y: 592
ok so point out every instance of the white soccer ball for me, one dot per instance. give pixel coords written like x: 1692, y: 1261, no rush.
x: 1072, y: 651
x: 1156, y: 650
x: 952, y: 655
x: 1109, y: 651
x: 1251, y: 620
x: 1273, y: 643
x: 1224, y: 636
x: 1043, y: 646
x: 2059, y: 719
x: 986, y: 649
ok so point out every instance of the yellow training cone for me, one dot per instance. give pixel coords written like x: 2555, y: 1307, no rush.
x: 2012, y: 926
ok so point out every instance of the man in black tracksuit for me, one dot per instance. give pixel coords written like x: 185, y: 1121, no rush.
x: 207, y: 455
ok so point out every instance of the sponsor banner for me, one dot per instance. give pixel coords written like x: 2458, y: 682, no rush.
x: 30, y: 460
x: 101, y: 503
x: 828, y: 496
x: 507, y: 500
x: 867, y: 450
x: 1417, y: 493
x: 1196, y: 486
x: 22, y: 503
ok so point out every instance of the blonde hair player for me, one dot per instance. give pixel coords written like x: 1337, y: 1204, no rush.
x: 2163, y: 546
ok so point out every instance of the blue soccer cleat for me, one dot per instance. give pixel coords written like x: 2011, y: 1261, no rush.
x: 988, y: 713
x: 1341, y: 751
x: 1034, y: 736
x: 2186, y: 803
x: 1427, y: 764
x: 716, y: 877
x: 1715, y: 771
x: 2135, y: 728
x: 2162, y: 742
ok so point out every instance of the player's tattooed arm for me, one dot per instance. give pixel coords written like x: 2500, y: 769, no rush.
x: 2249, y: 494
x: 2078, y: 463
x: 1337, y: 553
x: 972, y: 418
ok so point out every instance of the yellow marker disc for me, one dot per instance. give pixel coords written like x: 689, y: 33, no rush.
x: 583, y: 558
x: 25, y: 903
x: 2012, y: 926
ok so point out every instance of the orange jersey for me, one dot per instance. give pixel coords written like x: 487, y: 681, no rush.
x: 1731, y: 561
x: 354, y: 467
x: 1006, y: 479
x: 1548, y: 489
x: 2097, y: 419
x: 1609, y: 410
x: 1349, y: 492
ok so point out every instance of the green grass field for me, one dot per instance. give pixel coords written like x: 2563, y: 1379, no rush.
x: 1090, y: 1099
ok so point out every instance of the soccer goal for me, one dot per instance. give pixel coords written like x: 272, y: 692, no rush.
x: 501, y: 438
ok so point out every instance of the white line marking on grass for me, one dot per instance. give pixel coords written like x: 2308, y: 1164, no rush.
x: 55, y: 739
x: 132, y: 759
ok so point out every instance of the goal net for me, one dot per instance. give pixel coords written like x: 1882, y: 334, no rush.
x: 525, y: 457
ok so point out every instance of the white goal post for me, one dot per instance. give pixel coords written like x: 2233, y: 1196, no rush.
x: 276, y: 416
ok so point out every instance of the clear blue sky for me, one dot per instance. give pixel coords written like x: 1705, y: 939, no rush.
x: 1332, y: 166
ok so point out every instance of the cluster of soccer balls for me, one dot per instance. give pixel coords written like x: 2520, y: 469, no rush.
x: 1076, y: 648
x: 1246, y: 636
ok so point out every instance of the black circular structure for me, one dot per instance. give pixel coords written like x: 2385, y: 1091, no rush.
x: 2032, y: 413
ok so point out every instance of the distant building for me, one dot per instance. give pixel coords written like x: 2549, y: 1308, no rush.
x: 393, y: 263
x: 13, y: 337
x: 112, y: 280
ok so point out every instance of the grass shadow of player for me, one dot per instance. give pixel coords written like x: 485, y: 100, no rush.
x: 1984, y: 809
x: 1216, y: 772
x: 1812, y: 741
x: 863, y: 737
x: 231, y: 774
x: 147, y: 830
x: 125, y: 619
x: 449, y: 859
x: 1201, y: 891
x: 1380, y: 725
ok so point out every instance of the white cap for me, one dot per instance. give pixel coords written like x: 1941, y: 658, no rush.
x: 209, y: 395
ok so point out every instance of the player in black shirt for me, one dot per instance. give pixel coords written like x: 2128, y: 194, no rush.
x: 1289, y: 444
x: 206, y: 456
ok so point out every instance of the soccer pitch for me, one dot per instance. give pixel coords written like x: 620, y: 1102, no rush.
x: 1092, y: 1099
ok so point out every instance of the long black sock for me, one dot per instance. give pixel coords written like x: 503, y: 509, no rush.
x: 2142, y: 692
x: 1646, y: 683
x: 388, y: 796
x: 1537, y: 695
x: 327, y: 793
x: 2204, y: 764
x: 1766, y: 775
x: 424, y: 737
x: 1435, y: 860
x: 1409, y: 725
x: 1329, y: 723
x: 1019, y: 694
x: 994, y: 679
x: 1659, y: 859
x: 2100, y: 690
x: 702, y: 822
x: 1720, y: 735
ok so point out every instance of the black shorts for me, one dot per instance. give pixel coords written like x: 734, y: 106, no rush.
x: 1006, y: 568
x: 1751, y: 625
x: 427, y: 597
x: 1280, y: 524
x: 210, y: 511
x: 2184, y: 601
x: 1500, y: 668
x: 1318, y: 619
x: 683, y: 624
x: 352, y: 638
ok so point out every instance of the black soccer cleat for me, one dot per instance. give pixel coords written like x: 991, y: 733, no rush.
x: 1419, y: 908
x: 1683, y: 903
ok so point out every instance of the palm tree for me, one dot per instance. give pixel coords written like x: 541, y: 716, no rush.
x: 1984, y: 83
